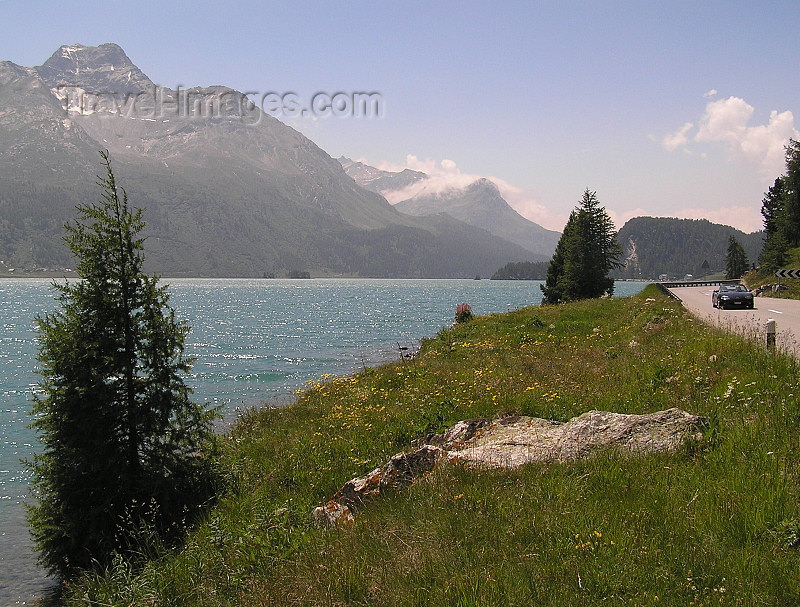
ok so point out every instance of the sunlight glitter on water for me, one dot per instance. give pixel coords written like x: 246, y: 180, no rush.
x: 253, y: 340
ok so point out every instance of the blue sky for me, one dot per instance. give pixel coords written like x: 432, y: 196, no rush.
x: 662, y: 108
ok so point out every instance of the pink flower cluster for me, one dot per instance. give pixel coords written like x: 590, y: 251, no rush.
x: 463, y: 313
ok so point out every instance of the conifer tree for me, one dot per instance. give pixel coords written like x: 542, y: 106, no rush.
x: 585, y: 254
x: 736, y: 260
x: 126, y: 453
x: 781, y: 211
x: 791, y: 194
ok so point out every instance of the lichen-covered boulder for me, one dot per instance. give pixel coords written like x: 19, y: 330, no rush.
x: 511, y: 442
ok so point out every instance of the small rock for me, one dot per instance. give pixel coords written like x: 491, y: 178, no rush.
x: 332, y: 514
x: 401, y: 470
x: 454, y: 436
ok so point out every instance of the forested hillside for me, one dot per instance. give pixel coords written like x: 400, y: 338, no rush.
x: 665, y: 245
x: 522, y: 270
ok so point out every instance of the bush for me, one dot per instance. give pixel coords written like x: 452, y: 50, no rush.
x: 463, y: 313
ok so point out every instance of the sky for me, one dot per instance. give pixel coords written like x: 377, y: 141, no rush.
x: 664, y: 108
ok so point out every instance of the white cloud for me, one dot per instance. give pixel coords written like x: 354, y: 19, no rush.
x: 442, y: 177
x: 621, y: 217
x: 677, y: 139
x: 445, y: 176
x: 711, y: 93
x: 726, y: 122
x: 747, y: 219
x: 449, y: 165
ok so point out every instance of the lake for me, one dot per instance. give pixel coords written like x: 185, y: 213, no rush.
x: 254, y: 341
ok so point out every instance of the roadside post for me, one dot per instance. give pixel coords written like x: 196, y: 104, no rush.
x: 770, y: 330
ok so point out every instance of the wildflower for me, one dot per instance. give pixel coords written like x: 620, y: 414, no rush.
x: 730, y: 389
x: 463, y: 313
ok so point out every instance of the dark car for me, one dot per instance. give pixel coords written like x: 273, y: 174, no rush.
x: 732, y: 296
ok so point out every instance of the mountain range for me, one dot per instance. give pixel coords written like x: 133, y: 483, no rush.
x: 478, y: 204
x: 227, y: 189
x: 652, y: 246
x: 230, y: 191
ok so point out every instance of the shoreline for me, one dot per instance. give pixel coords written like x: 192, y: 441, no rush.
x: 401, y: 308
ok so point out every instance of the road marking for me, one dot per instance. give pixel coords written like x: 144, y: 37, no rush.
x: 776, y: 311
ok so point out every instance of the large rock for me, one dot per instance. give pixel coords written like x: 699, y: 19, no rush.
x: 511, y: 442
x: 514, y: 441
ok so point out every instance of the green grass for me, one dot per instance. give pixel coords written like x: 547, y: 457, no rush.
x: 711, y: 525
x: 757, y: 278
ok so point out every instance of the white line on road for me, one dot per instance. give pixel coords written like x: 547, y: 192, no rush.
x: 776, y: 311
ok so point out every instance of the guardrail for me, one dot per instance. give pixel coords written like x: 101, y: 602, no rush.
x: 696, y: 283
x: 666, y: 291
x: 665, y: 286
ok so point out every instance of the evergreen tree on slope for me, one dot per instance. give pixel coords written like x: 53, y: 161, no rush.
x: 736, y: 260
x: 585, y: 254
x: 125, y: 451
x: 781, y: 211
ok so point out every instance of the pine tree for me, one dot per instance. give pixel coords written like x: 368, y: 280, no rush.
x: 125, y: 451
x: 781, y: 211
x: 736, y: 263
x: 585, y: 254
x: 791, y: 194
x: 773, y: 253
x: 772, y: 207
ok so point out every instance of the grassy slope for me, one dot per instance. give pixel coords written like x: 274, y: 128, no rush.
x: 710, y: 525
x: 757, y: 278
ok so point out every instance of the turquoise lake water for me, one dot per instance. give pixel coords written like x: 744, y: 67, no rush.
x: 254, y: 341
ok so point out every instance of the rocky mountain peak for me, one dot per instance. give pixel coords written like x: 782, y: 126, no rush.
x: 11, y: 71
x: 97, y: 69
x: 483, y: 184
x: 377, y: 180
x: 479, y: 204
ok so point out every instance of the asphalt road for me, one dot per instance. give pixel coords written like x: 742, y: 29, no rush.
x: 785, y: 313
